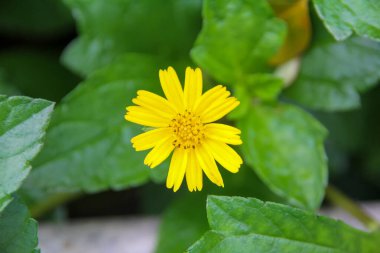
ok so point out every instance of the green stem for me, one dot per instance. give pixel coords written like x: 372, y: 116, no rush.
x: 41, y: 208
x: 339, y: 199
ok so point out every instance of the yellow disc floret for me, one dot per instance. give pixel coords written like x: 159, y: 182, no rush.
x: 188, y: 130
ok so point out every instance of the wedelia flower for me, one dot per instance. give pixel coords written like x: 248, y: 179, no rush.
x: 182, y: 124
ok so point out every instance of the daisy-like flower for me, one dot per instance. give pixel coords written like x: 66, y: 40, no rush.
x: 182, y: 124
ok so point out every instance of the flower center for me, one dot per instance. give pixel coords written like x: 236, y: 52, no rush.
x: 188, y: 130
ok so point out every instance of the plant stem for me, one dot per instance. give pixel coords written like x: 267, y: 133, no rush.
x: 41, y: 208
x: 339, y: 199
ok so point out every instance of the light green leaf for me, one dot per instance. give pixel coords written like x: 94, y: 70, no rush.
x: 164, y: 27
x: 344, y: 17
x: 333, y: 73
x: 88, y: 145
x: 18, y: 232
x: 265, y: 87
x: 22, y: 126
x: 255, y: 88
x: 248, y: 225
x: 237, y: 38
x: 284, y: 145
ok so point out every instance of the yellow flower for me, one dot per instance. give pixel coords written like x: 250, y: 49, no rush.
x: 182, y: 123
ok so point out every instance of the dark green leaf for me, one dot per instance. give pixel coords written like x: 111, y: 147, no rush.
x: 184, y: 222
x: 36, y: 73
x: 333, y: 73
x: 88, y: 145
x: 237, y: 38
x: 18, y: 232
x: 284, y: 145
x: 247, y: 225
x: 22, y: 126
x: 344, y: 17
x: 111, y: 28
x: 31, y: 18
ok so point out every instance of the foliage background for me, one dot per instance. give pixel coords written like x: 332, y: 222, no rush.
x: 306, y: 73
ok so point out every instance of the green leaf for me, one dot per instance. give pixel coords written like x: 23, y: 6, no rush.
x: 18, y: 232
x: 182, y: 223
x: 237, y: 38
x: 164, y: 27
x: 34, y: 19
x: 333, y: 73
x: 36, y: 73
x: 256, y: 87
x: 265, y: 87
x: 344, y: 17
x: 22, y: 126
x: 284, y: 145
x: 249, y: 225
x: 88, y: 145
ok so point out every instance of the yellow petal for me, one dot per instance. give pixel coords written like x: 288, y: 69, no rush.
x: 150, y: 139
x: 154, y: 102
x: 193, y: 87
x: 193, y: 173
x: 220, y: 111
x: 223, y: 133
x: 159, y: 153
x: 177, y: 169
x: 172, y: 88
x: 224, y: 154
x: 208, y: 165
x: 209, y: 97
x: 145, y: 117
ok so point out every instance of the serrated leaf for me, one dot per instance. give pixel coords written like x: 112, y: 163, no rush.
x: 237, y: 38
x: 18, y: 232
x: 88, y: 145
x: 22, y: 126
x: 249, y: 225
x: 344, y: 17
x: 284, y: 145
x: 333, y: 73
x: 185, y: 219
x: 160, y: 27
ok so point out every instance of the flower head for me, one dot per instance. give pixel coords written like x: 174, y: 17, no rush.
x: 182, y: 124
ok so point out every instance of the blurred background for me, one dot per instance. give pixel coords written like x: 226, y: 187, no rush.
x: 35, y: 33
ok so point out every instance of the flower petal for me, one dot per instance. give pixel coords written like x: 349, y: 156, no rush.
x: 160, y: 152
x: 172, y: 88
x: 177, y: 169
x: 224, y: 154
x: 193, y: 87
x: 193, y: 173
x: 220, y: 111
x: 209, y: 97
x: 223, y: 133
x: 208, y: 165
x: 145, y: 117
x: 154, y: 102
x: 150, y: 139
